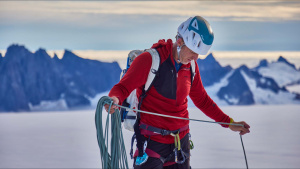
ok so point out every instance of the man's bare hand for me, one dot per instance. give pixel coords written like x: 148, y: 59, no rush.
x: 113, y: 107
x: 242, y: 130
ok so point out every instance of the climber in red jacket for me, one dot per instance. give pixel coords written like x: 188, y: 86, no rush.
x: 168, y: 95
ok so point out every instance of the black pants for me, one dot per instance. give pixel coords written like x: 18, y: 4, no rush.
x: 165, y: 150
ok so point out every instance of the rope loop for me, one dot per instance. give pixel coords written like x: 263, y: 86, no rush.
x: 117, y: 157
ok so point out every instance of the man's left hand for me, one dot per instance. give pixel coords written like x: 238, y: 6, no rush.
x: 242, y: 129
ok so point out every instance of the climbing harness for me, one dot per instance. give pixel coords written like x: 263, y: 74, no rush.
x: 142, y: 159
x: 166, y: 161
x: 151, y: 131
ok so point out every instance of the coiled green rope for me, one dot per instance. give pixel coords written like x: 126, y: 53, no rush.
x: 117, y: 158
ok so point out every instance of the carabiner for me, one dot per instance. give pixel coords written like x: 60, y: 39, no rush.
x: 191, y: 142
x: 176, y: 156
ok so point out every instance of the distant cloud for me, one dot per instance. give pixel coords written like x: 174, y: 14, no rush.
x: 124, y: 25
x: 219, y: 10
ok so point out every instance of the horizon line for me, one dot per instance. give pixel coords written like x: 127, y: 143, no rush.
x: 122, y: 54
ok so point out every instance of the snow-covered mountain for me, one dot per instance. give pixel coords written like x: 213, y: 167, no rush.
x: 282, y: 71
x: 30, y: 81
x: 244, y: 86
x: 249, y: 87
x: 211, y: 71
x: 35, y: 81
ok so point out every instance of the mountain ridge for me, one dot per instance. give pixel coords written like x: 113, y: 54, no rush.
x: 31, y: 80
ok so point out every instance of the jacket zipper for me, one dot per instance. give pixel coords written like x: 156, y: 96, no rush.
x: 176, y: 86
x: 174, y: 79
x: 172, y: 82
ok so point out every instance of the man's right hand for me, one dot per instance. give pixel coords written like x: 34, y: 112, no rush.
x: 113, y: 107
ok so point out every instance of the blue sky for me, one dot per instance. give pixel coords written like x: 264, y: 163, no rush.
x: 126, y: 25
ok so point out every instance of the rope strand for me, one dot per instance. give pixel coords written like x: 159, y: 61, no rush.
x: 175, y: 117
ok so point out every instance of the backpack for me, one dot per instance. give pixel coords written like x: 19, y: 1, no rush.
x: 128, y: 117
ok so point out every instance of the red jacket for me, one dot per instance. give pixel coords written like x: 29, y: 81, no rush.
x: 162, y: 98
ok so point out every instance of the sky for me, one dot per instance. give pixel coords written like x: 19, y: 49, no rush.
x: 126, y: 25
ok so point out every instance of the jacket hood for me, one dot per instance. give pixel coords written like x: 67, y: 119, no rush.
x: 164, y: 47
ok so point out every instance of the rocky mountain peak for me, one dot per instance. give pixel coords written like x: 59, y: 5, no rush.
x: 211, y: 71
x: 284, y: 60
x: 31, y: 78
x: 15, y: 52
x: 1, y: 58
x: 263, y: 63
x: 68, y: 55
x: 210, y: 58
x: 55, y: 57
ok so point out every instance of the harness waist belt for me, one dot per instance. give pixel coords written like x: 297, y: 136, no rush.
x: 150, y: 130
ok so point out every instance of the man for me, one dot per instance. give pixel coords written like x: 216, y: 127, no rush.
x: 174, y: 81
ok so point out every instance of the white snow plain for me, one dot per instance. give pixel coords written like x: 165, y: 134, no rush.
x: 67, y: 139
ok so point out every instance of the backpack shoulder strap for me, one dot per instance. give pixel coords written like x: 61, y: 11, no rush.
x: 193, y: 70
x: 154, y: 68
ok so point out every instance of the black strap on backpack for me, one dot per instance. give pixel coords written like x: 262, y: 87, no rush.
x: 139, y: 137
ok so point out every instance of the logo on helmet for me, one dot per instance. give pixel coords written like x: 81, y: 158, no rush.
x: 202, y: 37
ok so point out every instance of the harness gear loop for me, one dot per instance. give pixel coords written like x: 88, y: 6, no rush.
x: 150, y: 131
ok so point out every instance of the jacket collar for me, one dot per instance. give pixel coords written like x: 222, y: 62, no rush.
x: 165, y: 48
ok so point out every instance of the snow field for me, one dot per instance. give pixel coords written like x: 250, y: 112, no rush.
x: 67, y: 139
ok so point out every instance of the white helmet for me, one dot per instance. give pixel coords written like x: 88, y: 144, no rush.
x: 197, y: 34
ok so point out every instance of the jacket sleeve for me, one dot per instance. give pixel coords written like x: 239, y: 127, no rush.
x: 135, y: 77
x: 201, y: 99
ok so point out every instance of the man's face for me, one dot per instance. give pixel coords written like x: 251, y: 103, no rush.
x: 187, y: 55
